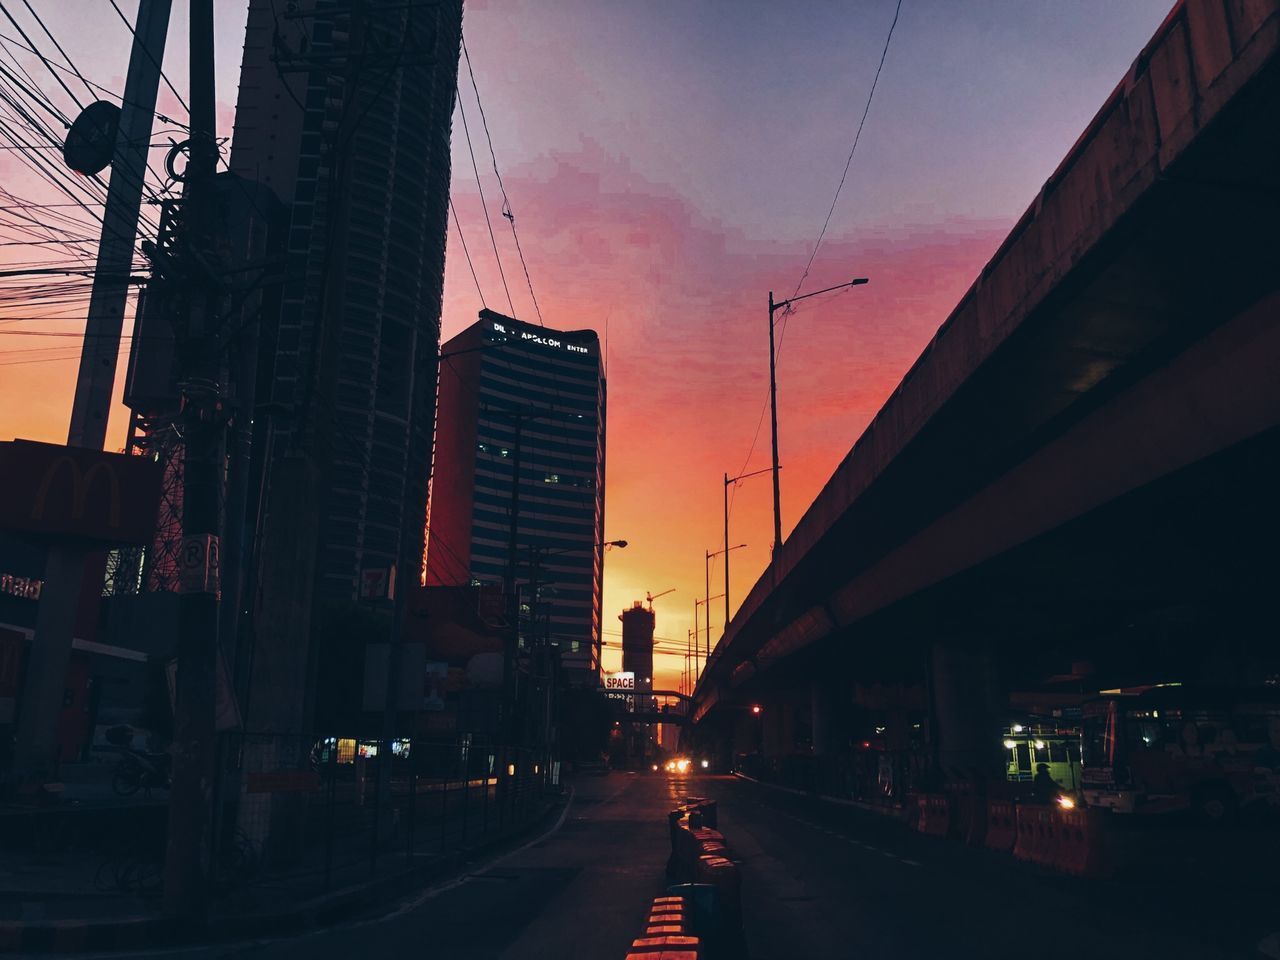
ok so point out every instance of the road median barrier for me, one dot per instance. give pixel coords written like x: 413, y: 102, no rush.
x: 933, y: 814
x: 1069, y: 839
x: 967, y: 802
x: 705, y: 904
x: 1002, y: 825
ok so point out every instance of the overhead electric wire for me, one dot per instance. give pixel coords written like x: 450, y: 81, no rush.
x: 43, y: 59
x: 53, y: 174
x: 484, y: 206
x: 54, y: 139
x: 848, y: 162
x: 58, y: 47
x: 163, y: 76
x: 99, y: 88
x: 467, y: 253
x: 507, y: 212
x: 823, y: 232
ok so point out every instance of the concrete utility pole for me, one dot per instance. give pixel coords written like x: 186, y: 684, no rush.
x: 65, y: 563
x: 773, y: 422
x: 197, y: 332
x: 727, y: 481
x: 773, y: 398
x: 510, y: 716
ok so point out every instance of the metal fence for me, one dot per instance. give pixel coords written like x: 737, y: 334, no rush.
x: 298, y: 815
x: 874, y: 776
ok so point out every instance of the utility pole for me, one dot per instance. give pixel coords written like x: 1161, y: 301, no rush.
x: 197, y: 332
x: 36, y: 748
x: 706, y: 573
x: 697, y: 638
x: 773, y: 400
x: 708, y: 598
x: 726, y: 551
x: 773, y: 421
x: 510, y: 721
x: 727, y: 481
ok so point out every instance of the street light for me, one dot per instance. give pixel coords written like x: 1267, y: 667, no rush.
x: 728, y: 480
x: 539, y: 650
x: 539, y: 553
x: 704, y: 602
x: 707, y: 573
x: 773, y: 399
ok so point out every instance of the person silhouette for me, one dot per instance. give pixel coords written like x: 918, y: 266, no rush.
x: 1044, y: 787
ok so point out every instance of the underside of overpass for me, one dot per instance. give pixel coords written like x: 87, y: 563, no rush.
x: 1083, y: 464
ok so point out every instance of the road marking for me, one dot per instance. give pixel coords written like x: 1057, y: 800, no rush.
x: 910, y: 863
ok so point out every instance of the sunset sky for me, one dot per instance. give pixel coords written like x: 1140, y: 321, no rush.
x: 669, y: 162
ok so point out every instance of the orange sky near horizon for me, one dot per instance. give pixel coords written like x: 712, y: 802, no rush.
x: 652, y: 209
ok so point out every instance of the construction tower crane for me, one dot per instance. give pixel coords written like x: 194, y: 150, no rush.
x: 654, y: 596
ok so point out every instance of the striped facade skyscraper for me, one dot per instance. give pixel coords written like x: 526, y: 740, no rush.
x: 516, y: 394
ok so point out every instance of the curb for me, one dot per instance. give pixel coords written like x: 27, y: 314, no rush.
x: 892, y: 813
x: 78, y: 936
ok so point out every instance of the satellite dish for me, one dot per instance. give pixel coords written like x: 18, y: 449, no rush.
x: 91, y: 141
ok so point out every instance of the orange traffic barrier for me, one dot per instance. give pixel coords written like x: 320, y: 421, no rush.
x: 934, y: 814
x: 1071, y: 840
x: 968, y: 813
x: 664, y: 930
x: 1082, y: 846
x: 1037, y: 836
x: 646, y: 945
x: 1002, y: 826
x: 682, y: 917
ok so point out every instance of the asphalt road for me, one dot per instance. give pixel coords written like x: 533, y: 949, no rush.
x: 819, y: 881
x: 827, y: 880
x: 580, y: 891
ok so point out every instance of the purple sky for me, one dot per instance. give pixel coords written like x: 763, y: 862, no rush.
x: 670, y: 162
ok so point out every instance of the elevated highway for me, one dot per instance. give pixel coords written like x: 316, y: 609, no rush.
x: 1082, y: 463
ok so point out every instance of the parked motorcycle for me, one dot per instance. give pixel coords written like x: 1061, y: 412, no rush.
x: 137, y: 769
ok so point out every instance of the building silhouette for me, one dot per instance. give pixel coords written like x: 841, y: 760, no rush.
x: 637, y: 646
x: 514, y: 396
x: 346, y: 117
x: 637, y: 657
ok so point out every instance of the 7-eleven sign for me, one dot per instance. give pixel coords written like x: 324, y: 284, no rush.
x: 378, y: 583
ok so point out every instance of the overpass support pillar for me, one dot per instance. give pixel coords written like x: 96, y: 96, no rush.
x: 822, y: 707
x: 966, y: 707
x: 827, y: 725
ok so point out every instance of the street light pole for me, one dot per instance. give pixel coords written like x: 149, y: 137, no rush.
x: 707, y: 598
x: 728, y: 480
x: 773, y: 421
x: 697, y: 635
x: 726, y: 553
x: 704, y: 602
x: 773, y: 398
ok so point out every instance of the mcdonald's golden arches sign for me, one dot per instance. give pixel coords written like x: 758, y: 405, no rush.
x: 75, y: 493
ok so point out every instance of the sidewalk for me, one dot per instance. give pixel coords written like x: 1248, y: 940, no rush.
x: 61, y: 891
